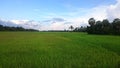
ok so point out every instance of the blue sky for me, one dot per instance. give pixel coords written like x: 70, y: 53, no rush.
x: 35, y: 9
x: 40, y: 10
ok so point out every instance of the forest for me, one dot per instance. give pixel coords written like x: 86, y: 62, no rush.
x: 8, y: 28
x: 104, y: 27
x: 100, y: 27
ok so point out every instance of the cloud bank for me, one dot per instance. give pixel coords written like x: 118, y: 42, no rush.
x: 113, y: 11
x: 28, y: 24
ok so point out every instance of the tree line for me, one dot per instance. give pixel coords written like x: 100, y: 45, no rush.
x: 100, y: 27
x: 8, y: 28
x: 78, y: 29
x: 104, y: 27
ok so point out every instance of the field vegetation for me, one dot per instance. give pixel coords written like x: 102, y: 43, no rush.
x: 58, y: 50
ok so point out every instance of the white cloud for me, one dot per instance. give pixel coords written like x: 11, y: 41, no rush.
x: 19, y: 21
x: 7, y: 23
x: 61, y: 25
x: 28, y: 24
x: 53, y: 24
x: 113, y: 11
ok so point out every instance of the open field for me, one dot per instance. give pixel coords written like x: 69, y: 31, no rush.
x: 58, y: 50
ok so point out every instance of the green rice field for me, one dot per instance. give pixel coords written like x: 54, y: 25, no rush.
x: 58, y: 50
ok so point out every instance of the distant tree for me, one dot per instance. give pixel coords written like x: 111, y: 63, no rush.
x: 80, y: 29
x: 105, y: 22
x: 76, y: 29
x: 105, y: 26
x: 98, y: 27
x: 91, y: 28
x: 1, y: 28
x: 7, y: 28
x: 116, y: 26
x: 91, y: 21
x: 71, y: 28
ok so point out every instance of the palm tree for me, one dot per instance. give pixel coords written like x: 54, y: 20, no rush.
x: 91, y: 21
x: 71, y: 27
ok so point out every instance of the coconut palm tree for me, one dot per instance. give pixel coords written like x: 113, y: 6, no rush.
x: 71, y: 28
x: 91, y: 21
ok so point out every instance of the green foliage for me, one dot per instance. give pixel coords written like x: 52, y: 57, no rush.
x: 58, y: 50
x: 7, y: 28
x: 104, y: 27
x: 116, y: 26
x: 91, y: 21
x: 80, y: 29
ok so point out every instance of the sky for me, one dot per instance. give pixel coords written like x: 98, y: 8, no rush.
x: 56, y: 14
